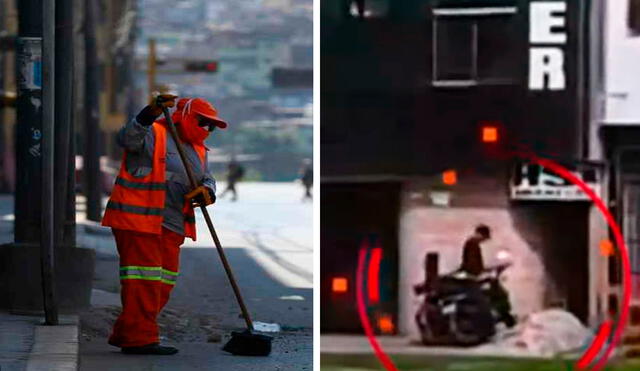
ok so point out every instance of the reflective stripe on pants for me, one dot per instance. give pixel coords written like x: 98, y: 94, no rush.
x: 148, y: 273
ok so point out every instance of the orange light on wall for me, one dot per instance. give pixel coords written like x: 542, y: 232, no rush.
x: 606, y: 248
x: 385, y: 324
x: 339, y: 285
x: 489, y: 134
x: 450, y: 177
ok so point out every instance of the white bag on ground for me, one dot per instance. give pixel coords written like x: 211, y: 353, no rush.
x: 547, y: 333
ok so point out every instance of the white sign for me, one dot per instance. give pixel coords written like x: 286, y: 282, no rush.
x: 546, y: 62
x: 537, y: 183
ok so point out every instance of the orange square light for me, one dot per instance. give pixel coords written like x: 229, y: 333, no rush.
x: 450, y: 177
x: 339, y: 284
x: 385, y: 324
x: 489, y: 134
x: 606, y: 248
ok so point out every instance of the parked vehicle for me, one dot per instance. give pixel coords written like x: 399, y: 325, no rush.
x: 460, y: 309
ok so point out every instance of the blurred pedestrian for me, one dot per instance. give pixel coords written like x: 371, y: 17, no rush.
x: 151, y: 211
x: 306, y: 178
x: 235, y: 172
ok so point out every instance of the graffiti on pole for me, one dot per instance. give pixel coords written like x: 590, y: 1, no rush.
x: 30, y: 63
x: 29, y: 81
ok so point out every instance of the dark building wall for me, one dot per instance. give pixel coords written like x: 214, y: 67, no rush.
x: 353, y: 214
x: 382, y: 113
x: 559, y: 233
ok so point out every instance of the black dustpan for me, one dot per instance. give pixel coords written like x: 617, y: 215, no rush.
x: 247, y: 343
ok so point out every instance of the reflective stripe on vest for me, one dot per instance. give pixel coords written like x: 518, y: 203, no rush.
x: 133, y: 209
x: 138, y: 203
x: 148, y: 186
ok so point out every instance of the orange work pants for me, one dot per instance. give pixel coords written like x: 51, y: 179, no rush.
x: 148, y: 272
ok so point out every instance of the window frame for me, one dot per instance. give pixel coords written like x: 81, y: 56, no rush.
x: 458, y: 13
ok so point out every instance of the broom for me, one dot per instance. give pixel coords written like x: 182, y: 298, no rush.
x: 241, y: 343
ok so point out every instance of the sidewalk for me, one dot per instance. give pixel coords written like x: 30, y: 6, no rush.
x: 400, y: 345
x: 25, y: 343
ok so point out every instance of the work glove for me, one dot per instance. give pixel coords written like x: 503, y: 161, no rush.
x: 201, y: 196
x: 150, y: 113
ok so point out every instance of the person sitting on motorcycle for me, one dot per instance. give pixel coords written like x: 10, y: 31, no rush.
x: 472, y: 261
x: 473, y: 264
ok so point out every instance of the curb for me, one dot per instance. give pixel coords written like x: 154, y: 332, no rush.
x: 55, y: 347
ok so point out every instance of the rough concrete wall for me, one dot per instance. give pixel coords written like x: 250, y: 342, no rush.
x: 554, y: 247
x: 426, y: 229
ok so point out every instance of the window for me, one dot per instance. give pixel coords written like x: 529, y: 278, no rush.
x: 475, y: 46
x: 455, y: 59
x: 634, y: 17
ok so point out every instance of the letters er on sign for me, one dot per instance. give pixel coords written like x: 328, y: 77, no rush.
x: 546, y: 60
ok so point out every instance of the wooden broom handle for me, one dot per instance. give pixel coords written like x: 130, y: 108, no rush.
x: 207, y: 218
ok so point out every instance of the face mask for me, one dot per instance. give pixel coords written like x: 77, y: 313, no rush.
x: 191, y: 132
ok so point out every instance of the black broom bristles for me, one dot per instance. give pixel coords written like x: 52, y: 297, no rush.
x: 248, y: 344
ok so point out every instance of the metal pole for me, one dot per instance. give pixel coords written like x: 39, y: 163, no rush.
x: 78, y: 118
x: 91, y: 162
x: 69, y: 236
x: 48, y: 115
x: 3, y: 177
x: 63, y: 112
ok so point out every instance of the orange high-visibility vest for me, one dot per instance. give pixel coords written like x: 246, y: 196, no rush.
x: 137, y: 203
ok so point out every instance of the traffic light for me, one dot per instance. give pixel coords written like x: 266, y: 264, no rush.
x: 201, y: 66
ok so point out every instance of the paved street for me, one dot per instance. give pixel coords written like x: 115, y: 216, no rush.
x: 267, y: 236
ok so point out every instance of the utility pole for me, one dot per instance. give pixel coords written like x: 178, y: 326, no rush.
x: 48, y: 132
x: 27, y: 206
x: 91, y: 163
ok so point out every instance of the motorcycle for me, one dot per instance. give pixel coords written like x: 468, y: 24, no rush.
x: 463, y: 310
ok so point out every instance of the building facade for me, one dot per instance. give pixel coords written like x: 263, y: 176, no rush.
x: 425, y: 105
